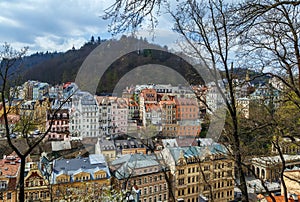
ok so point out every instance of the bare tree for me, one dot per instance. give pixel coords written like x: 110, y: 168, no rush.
x: 269, y: 39
x: 10, y: 65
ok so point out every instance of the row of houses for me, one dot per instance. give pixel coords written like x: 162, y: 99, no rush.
x: 79, y: 114
x: 180, y: 173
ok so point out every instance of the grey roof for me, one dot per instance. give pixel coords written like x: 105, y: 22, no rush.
x: 91, y: 164
x: 106, y: 145
x: 129, y: 163
x: 169, y: 142
x: 195, y: 151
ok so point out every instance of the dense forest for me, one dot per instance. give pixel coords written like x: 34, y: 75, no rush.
x: 57, y: 68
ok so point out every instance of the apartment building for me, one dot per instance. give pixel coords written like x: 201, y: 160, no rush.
x: 84, y: 117
x: 200, y: 172
x: 81, y: 179
x: 141, y: 176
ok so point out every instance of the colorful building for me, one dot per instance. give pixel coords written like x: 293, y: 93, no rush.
x: 200, y: 173
x: 81, y: 178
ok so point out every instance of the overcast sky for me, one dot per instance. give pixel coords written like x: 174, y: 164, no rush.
x: 57, y: 25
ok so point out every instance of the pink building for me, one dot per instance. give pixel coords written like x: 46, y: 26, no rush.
x: 60, y: 126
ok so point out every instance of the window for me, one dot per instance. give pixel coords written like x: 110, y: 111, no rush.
x: 229, y: 173
x: 8, y: 195
x: 3, y: 184
x: 181, y: 182
x: 181, y: 171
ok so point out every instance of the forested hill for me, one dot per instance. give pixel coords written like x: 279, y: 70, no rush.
x: 57, y: 68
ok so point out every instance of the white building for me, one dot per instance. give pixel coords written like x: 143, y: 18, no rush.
x: 84, y: 116
x: 214, y: 99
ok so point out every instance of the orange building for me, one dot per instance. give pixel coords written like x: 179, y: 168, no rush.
x: 168, y: 116
x: 187, y: 115
x: 150, y: 95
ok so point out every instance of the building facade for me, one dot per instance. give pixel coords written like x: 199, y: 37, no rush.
x: 200, y: 173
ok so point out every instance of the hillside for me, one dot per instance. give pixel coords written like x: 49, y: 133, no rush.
x: 57, y: 68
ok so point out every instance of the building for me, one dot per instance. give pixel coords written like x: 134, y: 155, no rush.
x: 36, y: 110
x: 291, y: 198
x: 243, y: 107
x: 130, y: 146
x: 149, y: 95
x: 80, y: 178
x: 168, y: 116
x: 187, y: 115
x: 84, y: 117
x: 141, y: 172
x: 59, y: 126
x: 113, y: 115
x: 40, y: 91
x: 199, y: 171
x: 107, y: 148
x: 37, y: 188
x: 12, y: 119
x: 214, y: 99
x: 268, y: 167
x: 288, y: 146
x: 292, y: 178
x: 9, y: 171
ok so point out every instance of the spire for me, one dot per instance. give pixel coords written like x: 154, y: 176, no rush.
x: 247, y: 76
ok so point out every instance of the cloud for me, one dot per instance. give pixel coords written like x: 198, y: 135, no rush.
x: 55, y: 25
x: 51, y: 24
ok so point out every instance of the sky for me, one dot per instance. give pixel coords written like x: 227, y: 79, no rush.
x: 58, y: 25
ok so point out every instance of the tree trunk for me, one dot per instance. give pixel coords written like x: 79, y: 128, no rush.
x: 239, y: 163
x: 21, y: 180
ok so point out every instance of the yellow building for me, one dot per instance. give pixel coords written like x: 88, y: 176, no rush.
x: 291, y: 179
x: 200, y: 172
x: 80, y: 178
x: 37, y: 188
x: 36, y: 111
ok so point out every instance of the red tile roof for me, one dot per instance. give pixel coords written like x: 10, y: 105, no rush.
x: 280, y: 199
